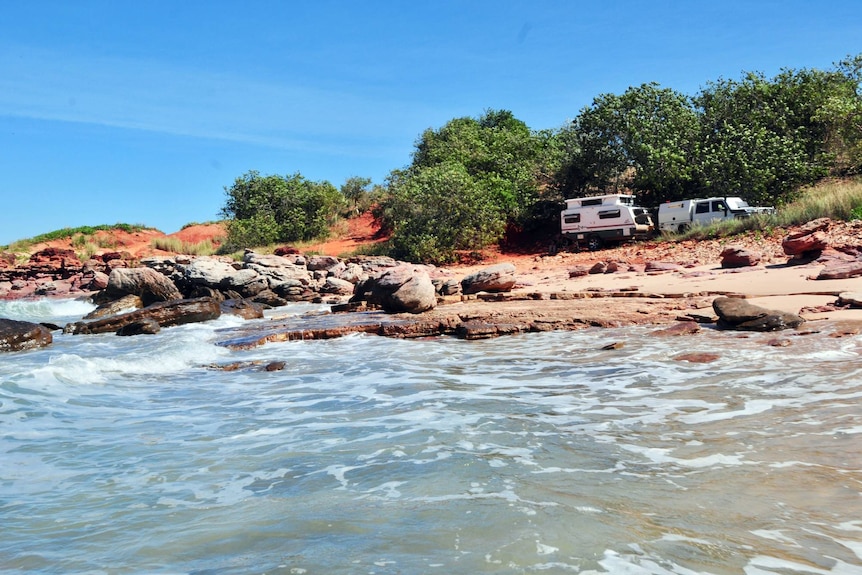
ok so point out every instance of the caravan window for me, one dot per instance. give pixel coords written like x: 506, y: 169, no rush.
x: 572, y: 219
x: 701, y: 208
x: 592, y: 202
x: 609, y: 214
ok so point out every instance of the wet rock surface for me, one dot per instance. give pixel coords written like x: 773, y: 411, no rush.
x: 22, y: 335
x: 164, y: 314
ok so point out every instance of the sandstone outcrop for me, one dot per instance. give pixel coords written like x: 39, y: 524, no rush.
x: 661, y: 267
x: 808, y: 242
x: 836, y: 269
x: 739, y: 257
x: 54, y: 272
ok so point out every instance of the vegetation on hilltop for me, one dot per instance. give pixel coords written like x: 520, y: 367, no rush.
x: 80, y: 235
x: 474, y: 179
x: 266, y: 209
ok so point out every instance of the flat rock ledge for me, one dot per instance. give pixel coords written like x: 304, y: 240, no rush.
x: 480, y: 316
x: 489, y: 315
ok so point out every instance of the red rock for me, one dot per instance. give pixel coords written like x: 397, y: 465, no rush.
x: 738, y: 257
x: 285, y: 250
x: 810, y: 239
x: 579, y: 271
x: 681, y: 328
x: 697, y: 357
x: 840, y: 270
x: 662, y: 267
x: 813, y: 243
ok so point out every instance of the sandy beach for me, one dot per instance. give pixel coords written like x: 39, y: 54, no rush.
x: 774, y: 286
x: 693, y: 279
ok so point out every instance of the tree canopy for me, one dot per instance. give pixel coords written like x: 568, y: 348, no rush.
x: 473, y: 178
x: 268, y: 209
x: 756, y: 137
x: 466, y: 182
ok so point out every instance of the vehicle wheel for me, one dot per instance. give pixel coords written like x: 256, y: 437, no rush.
x: 594, y: 243
x: 683, y: 228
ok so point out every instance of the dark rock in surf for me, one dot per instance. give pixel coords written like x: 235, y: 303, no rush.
x: 146, y: 283
x: 243, y: 308
x: 166, y: 314
x: 18, y: 335
x: 145, y: 326
x: 116, y: 306
x: 679, y: 328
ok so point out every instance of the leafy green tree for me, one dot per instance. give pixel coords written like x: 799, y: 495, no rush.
x: 440, y: 210
x: 497, y: 150
x: 643, y: 139
x: 466, y: 182
x: 268, y: 209
x: 355, y: 190
x: 841, y: 112
x: 660, y: 134
x: 764, y: 138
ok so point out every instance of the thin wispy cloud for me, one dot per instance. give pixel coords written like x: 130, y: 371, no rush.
x: 147, y: 95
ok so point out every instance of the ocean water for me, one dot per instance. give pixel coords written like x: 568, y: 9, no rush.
x: 539, y: 453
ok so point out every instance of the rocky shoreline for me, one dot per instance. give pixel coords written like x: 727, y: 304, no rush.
x: 395, y: 299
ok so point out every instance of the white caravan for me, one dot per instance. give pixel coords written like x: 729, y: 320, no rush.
x: 596, y: 220
x: 680, y: 216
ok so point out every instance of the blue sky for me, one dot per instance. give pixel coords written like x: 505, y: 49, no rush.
x: 143, y: 112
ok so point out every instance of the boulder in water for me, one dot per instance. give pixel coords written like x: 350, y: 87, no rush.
x: 18, y: 335
x: 170, y: 313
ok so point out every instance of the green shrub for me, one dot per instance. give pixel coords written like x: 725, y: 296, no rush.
x: 268, y: 209
x: 177, y: 246
x: 85, y: 231
x: 440, y: 210
x: 87, y: 251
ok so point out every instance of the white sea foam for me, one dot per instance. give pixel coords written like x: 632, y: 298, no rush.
x: 540, y: 452
x: 46, y: 310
